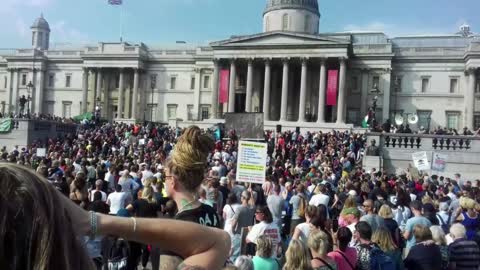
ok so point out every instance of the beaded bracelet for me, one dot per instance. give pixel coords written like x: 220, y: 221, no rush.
x: 93, y: 225
x: 134, y: 224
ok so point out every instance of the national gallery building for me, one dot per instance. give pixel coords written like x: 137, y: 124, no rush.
x: 295, y: 74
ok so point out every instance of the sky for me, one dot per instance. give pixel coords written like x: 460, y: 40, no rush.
x: 198, y: 22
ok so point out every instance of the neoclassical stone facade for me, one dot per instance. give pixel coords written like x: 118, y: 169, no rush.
x: 281, y: 72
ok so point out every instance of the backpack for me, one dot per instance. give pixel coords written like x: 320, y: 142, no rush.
x: 118, y: 255
x: 379, y: 260
x: 445, y: 226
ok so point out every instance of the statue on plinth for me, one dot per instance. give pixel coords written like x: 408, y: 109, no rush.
x: 22, y: 101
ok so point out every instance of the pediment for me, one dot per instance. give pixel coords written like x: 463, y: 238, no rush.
x: 280, y: 39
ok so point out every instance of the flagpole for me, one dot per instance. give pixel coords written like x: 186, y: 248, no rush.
x: 121, y: 23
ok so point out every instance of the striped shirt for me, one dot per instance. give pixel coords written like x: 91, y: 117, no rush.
x: 465, y: 254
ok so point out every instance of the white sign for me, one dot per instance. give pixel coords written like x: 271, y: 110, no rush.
x: 141, y: 141
x: 251, y: 163
x: 41, y: 152
x: 439, y: 162
x: 420, y: 161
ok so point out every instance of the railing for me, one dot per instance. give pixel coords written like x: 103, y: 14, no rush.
x: 429, y: 51
x: 427, y: 142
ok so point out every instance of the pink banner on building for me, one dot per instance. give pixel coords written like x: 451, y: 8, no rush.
x: 332, y: 87
x: 223, y: 86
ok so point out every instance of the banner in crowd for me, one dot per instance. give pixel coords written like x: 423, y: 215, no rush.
x: 439, y: 162
x: 420, y: 160
x: 332, y: 87
x: 41, y: 152
x: 5, y: 125
x: 223, y: 86
x: 252, y: 158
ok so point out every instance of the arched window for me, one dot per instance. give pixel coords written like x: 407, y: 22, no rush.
x: 307, y: 23
x: 285, y: 22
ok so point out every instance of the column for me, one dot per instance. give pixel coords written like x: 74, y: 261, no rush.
x: 196, y: 95
x: 214, y: 113
x: 85, y: 90
x: 470, y: 99
x: 341, y: 93
x: 135, y: 94
x: 9, y: 91
x: 231, y: 92
x: 248, y: 103
x: 39, y: 92
x: 284, y: 102
x: 266, y: 90
x: 321, y: 92
x: 120, y: 94
x: 98, y: 87
x: 364, y: 94
x: 386, y: 96
x: 126, y: 99
x: 303, y: 91
x: 16, y: 83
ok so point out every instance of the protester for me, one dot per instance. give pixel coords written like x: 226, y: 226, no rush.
x: 296, y: 257
x: 463, y: 253
x: 344, y: 256
x: 266, y: 227
x: 417, y: 219
x: 318, y: 244
x: 262, y: 259
x: 438, y: 237
x: 382, y: 237
x: 424, y: 254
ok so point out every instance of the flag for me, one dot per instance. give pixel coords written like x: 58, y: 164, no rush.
x: 332, y: 87
x: 115, y: 2
x: 5, y: 125
x: 365, y: 122
x: 223, y: 96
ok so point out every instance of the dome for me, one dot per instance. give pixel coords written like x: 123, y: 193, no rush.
x: 310, y: 5
x: 41, y: 23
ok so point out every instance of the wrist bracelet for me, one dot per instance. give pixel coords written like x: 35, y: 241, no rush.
x: 134, y: 224
x: 93, y: 225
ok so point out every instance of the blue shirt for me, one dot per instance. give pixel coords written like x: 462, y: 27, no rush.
x: 411, y: 222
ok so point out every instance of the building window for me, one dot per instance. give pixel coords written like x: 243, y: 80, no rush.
x: 425, y: 84
x: 68, y: 80
x: 398, y: 84
x: 173, y: 82
x: 67, y: 109
x: 285, y: 22
x: 375, y: 82
x: 452, y: 119
x: 172, y: 111
x: 192, y: 83
x: 424, y: 118
x: 354, y: 83
x: 190, y: 112
x: 24, y: 79
x: 5, y: 81
x: 40, y: 39
x: 205, y: 112
x: 206, y: 82
x: 51, y: 80
x: 353, y: 116
x: 117, y: 81
x: 153, y: 81
x: 476, y: 121
x: 307, y: 23
x: 241, y: 80
x: 453, y: 85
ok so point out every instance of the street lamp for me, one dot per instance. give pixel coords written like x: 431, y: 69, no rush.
x: 30, y: 87
x: 153, y: 84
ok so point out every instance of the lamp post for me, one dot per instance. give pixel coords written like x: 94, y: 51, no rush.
x: 153, y: 83
x: 30, y: 87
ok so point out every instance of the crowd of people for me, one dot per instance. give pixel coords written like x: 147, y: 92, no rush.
x: 317, y: 209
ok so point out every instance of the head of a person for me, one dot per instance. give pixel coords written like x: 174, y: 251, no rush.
x: 296, y: 256
x: 458, y: 231
x: 318, y: 242
x: 118, y: 188
x: 363, y: 231
x: 311, y: 211
x: 98, y: 184
x: 33, y: 230
x: 383, y: 239
x: 186, y: 166
x: 344, y: 237
x: 244, y: 263
x: 438, y: 235
x: 97, y: 196
x: 422, y: 233
x: 416, y: 206
x: 264, y: 246
x: 245, y: 196
x: 148, y: 194
x: 232, y: 199
x: 385, y: 212
x: 262, y: 213
x: 368, y: 206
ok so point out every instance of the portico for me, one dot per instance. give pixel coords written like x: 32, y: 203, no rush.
x: 287, y: 84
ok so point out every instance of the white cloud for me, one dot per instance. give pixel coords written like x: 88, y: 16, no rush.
x: 394, y: 30
x: 63, y: 33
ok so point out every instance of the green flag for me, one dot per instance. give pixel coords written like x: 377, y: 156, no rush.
x: 5, y: 125
x: 365, y: 122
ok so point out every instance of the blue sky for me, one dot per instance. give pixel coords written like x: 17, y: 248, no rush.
x: 162, y: 22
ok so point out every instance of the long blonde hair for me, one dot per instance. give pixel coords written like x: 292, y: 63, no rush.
x: 147, y: 194
x: 297, y: 256
x: 34, y: 227
x: 383, y: 239
x: 189, y: 158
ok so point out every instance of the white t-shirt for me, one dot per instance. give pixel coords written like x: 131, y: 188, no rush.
x: 117, y: 201
x: 319, y: 199
x: 304, y: 231
x: 229, y: 212
x: 270, y: 230
x: 104, y: 195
